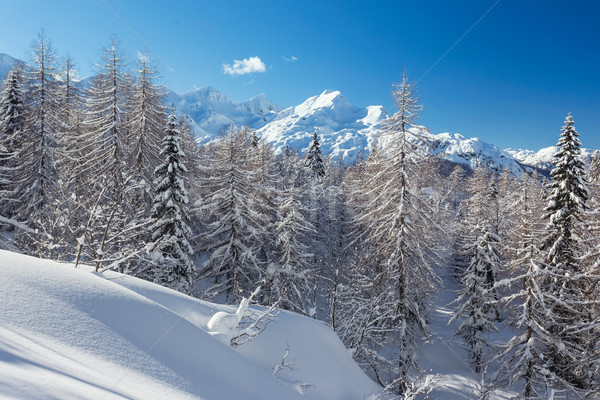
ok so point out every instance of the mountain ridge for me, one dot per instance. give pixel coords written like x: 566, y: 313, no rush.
x: 344, y: 130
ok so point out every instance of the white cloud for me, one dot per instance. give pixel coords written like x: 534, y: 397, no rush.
x: 246, y: 66
x: 290, y: 59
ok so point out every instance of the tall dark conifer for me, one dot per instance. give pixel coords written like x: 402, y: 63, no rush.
x: 170, y: 233
x: 314, y: 159
x: 565, y: 280
x: 12, y: 123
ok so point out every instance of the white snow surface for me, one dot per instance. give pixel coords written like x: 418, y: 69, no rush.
x: 344, y: 130
x: 71, y: 333
x: 544, y: 157
x: 212, y: 112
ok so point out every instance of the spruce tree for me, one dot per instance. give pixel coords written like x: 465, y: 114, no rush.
x: 12, y: 123
x: 314, y: 159
x: 170, y: 233
x: 566, y: 282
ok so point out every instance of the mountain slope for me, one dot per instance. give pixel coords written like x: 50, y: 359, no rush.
x: 344, y: 130
x: 6, y: 64
x: 213, y: 112
x: 543, y: 158
x: 69, y: 333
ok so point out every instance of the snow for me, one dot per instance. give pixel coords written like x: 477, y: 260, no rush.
x: 344, y: 130
x: 446, y: 354
x: 212, y: 112
x: 71, y: 334
x: 543, y: 158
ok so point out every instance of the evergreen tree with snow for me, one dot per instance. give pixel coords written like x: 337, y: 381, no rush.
x: 170, y: 233
x: 566, y: 282
x: 12, y: 123
x: 314, y: 159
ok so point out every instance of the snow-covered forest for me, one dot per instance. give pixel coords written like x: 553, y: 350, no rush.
x: 108, y: 176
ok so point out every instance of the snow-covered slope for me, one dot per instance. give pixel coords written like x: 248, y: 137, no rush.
x: 69, y: 333
x: 344, y: 130
x: 6, y: 64
x: 543, y: 158
x: 213, y: 112
x: 472, y: 152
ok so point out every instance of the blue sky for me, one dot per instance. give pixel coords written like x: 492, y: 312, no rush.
x: 510, y: 81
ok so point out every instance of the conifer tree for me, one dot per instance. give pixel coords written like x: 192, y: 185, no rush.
x: 400, y: 254
x: 145, y: 122
x: 102, y: 169
x: 233, y: 228
x: 523, y: 360
x: 566, y: 281
x: 36, y: 194
x: 170, y: 233
x: 594, y: 169
x: 314, y: 159
x: 12, y: 123
x: 104, y: 123
x: 476, y: 303
x: 289, y: 280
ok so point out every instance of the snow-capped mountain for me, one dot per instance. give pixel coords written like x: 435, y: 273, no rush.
x: 542, y: 159
x: 343, y: 129
x: 212, y: 112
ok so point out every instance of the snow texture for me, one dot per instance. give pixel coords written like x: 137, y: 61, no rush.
x: 72, y: 334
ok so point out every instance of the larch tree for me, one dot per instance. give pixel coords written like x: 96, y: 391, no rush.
x: 146, y: 121
x: 103, y: 167
x: 72, y: 189
x: 170, y: 233
x: 104, y: 125
x: 477, y: 299
x: 400, y: 254
x: 38, y: 174
x: 289, y: 280
x: 523, y: 359
x: 233, y: 228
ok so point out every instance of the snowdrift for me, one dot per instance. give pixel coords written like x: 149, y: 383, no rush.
x: 70, y: 333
